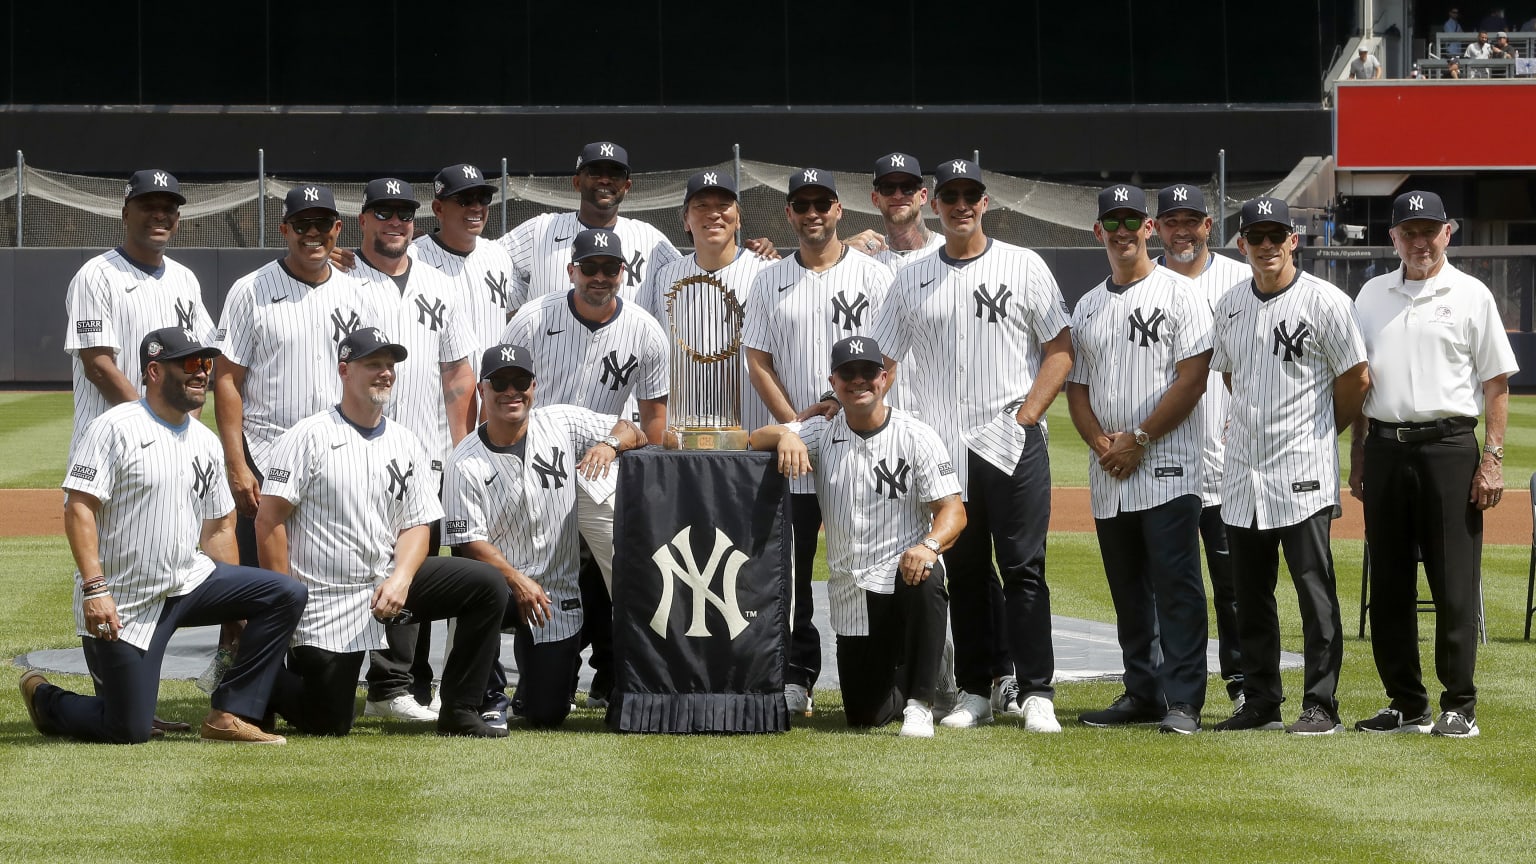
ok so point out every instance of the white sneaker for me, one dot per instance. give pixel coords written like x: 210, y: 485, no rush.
x: 916, y: 720
x: 970, y: 711
x: 945, y: 693
x: 402, y: 707
x: 1005, y: 695
x: 798, y: 699
x: 436, y: 705
x: 1040, y: 715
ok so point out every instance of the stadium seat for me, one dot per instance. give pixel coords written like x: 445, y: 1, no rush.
x: 1426, y: 604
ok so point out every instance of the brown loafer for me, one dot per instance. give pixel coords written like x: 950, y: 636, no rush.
x: 239, y: 732
x: 169, y: 725
x: 30, y: 681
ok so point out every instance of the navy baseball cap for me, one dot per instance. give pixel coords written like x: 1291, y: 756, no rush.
x: 711, y: 180
x: 152, y: 180
x: 173, y: 343
x: 812, y: 177
x: 456, y: 178
x: 499, y: 357
x: 897, y: 163
x: 856, y: 348
x: 367, y: 340
x: 594, y: 242
x: 957, y: 169
x: 1265, y: 209
x: 301, y: 198
x: 603, y: 151
x: 1122, y: 197
x: 1181, y: 197
x: 388, y: 189
x: 1418, y: 205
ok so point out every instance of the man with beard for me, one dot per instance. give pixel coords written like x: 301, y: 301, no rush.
x: 345, y: 510
x: 502, y: 509
x: 1184, y: 227
x: 900, y: 196
x: 150, y: 524
x: 797, y: 309
x: 432, y: 398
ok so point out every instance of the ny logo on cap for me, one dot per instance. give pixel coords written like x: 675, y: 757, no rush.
x: 392, y: 187
x: 810, y: 176
x: 191, y: 337
x: 311, y: 194
x: 711, y: 179
x: 605, y: 149
x: 470, y: 173
x: 957, y: 167
x: 1266, y: 208
x: 1121, y: 194
x: 600, y: 240
x: 508, y: 355
x: 1416, y: 202
x: 898, y: 160
x: 161, y: 179
x: 1181, y: 193
x: 856, y: 346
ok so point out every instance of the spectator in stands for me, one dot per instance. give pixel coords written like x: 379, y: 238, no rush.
x: 1365, y: 67
x: 1501, y: 49
x: 1479, y: 50
x: 1529, y: 25
x: 1453, y: 68
x: 1494, y: 20
x: 1453, y: 25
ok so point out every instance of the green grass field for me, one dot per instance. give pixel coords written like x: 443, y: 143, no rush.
x: 818, y: 793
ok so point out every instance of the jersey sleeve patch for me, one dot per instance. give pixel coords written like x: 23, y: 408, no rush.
x: 83, y: 472
x: 88, y: 325
x: 278, y: 475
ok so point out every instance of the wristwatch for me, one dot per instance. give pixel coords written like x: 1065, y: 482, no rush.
x: 1498, y: 452
x: 613, y: 441
x: 1142, y: 438
x: 932, y: 544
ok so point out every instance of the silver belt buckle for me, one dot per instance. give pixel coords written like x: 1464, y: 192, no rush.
x: 1398, y: 434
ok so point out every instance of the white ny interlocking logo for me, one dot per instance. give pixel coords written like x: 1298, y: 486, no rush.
x: 508, y: 355
x: 1266, y: 208
x: 1181, y: 193
x: 856, y: 346
x: 711, y: 179
x: 311, y: 194
x: 1121, y: 194
x: 605, y: 149
x: 392, y: 187
x: 470, y: 173
x: 161, y: 179
x: 957, y: 166
x: 809, y: 176
x: 1416, y: 202
x: 600, y: 240
x: 898, y: 160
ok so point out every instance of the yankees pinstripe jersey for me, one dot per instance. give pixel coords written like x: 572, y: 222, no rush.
x: 285, y: 332
x: 1220, y: 274
x: 156, y: 484
x: 1283, y: 352
x: 353, y: 492
x: 541, y: 247
x: 737, y: 276
x: 423, y: 317
x: 521, y: 500
x: 483, y: 288
x: 592, y: 366
x: 1128, y: 341
x: 874, y: 489
x: 796, y: 314
x: 112, y: 302
x: 968, y: 335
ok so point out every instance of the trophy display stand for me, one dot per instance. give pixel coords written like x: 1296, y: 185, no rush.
x: 704, y: 319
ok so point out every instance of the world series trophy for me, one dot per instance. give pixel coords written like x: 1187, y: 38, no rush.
x: 704, y: 317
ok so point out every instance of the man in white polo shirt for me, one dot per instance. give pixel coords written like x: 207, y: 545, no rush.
x: 1439, y: 357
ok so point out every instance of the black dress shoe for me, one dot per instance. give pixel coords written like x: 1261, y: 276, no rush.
x: 466, y: 724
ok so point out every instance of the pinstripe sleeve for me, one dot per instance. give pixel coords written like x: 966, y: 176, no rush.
x: 237, y: 338
x: 757, y: 329
x: 455, y: 343
x: 465, y: 516
x: 935, y: 473
x: 220, y: 502
x: 811, y: 431
x: 1049, y: 310
x: 1345, y: 345
x: 1078, y: 374
x: 1221, y: 327
x: 1194, y: 324
x: 654, y: 362
x: 291, y: 465
x: 520, y: 329
x: 421, y: 505
x: 90, y: 312
x: 519, y: 245
x: 891, y: 322
x: 96, y: 457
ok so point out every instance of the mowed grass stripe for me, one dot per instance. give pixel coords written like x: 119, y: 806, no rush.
x: 34, y: 439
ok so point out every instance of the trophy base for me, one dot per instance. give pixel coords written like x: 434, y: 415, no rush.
x: 694, y: 438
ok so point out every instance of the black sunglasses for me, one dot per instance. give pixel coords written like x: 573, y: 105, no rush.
x: 469, y: 199
x: 323, y: 224
x: 804, y: 205
x: 520, y: 383
x: 971, y: 196
x: 608, y: 268
x: 404, y: 214
x: 1256, y: 237
x: 1131, y: 223
x: 889, y: 189
x: 856, y: 371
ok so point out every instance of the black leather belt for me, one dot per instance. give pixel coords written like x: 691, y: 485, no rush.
x: 1408, y: 433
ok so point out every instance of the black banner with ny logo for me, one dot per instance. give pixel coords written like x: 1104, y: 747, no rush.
x: 701, y: 588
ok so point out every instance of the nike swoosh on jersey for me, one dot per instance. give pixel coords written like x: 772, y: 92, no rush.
x: 279, y: 299
x: 489, y: 479
x: 925, y: 284
x: 146, y: 444
x: 839, y: 440
x: 786, y: 287
x: 131, y: 289
x: 1234, y: 314
x: 565, y: 238
x: 337, y: 446
x: 548, y: 332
